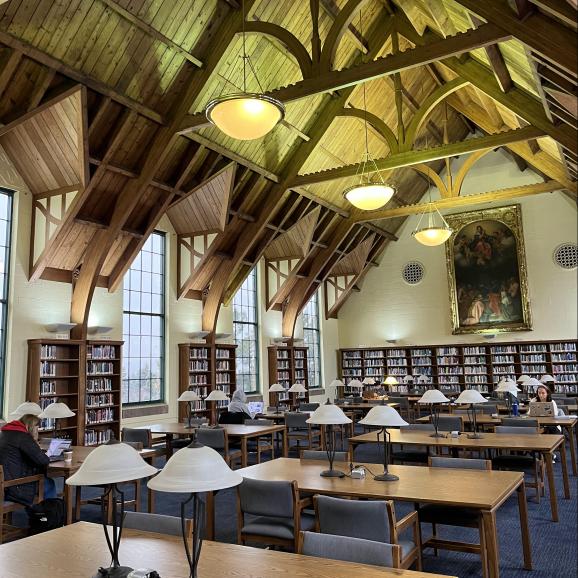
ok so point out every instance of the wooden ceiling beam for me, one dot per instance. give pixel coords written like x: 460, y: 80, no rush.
x: 331, y: 81
x: 538, y: 31
x: 331, y: 8
x: 558, y: 8
x: 464, y: 201
x: 414, y: 157
x: 9, y: 68
x: 58, y: 66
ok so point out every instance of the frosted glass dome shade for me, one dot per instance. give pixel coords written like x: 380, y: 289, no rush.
x: 383, y: 416
x: 433, y: 396
x: 370, y: 196
x: 328, y: 414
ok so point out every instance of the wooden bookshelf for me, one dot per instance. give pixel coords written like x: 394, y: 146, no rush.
x: 56, y: 372
x: 454, y: 367
x: 288, y: 365
x: 103, y: 405
x: 203, y: 368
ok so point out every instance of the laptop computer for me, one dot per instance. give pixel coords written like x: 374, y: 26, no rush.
x: 541, y: 409
x: 256, y: 407
x: 55, y: 448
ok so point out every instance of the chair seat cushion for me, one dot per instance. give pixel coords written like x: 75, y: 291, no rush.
x: 277, y: 527
x: 434, y: 514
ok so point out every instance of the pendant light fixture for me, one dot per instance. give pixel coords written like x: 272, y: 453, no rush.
x: 437, y: 231
x: 371, y: 191
x: 245, y: 115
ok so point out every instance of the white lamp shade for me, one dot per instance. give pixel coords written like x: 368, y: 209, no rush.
x: 383, y: 416
x: 471, y: 396
x: 57, y: 410
x: 245, y: 116
x: 297, y: 388
x: 355, y: 383
x: 432, y: 236
x: 27, y: 408
x: 198, y: 469
x: 368, y: 381
x: 217, y: 395
x: 276, y: 388
x: 533, y: 382
x: 523, y: 378
x: 189, y: 396
x: 111, y: 464
x: 508, y: 386
x: 433, y: 396
x: 408, y: 379
x: 390, y: 380
x: 336, y: 383
x: 422, y: 378
x: 328, y: 414
x: 547, y: 378
x: 369, y: 196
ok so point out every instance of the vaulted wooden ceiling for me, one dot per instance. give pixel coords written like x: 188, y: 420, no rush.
x: 102, y: 102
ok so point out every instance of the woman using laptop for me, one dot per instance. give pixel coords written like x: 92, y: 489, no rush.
x: 544, y: 395
x: 21, y: 456
x: 238, y: 410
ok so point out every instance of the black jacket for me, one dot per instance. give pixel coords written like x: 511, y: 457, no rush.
x: 21, y: 456
x: 233, y: 417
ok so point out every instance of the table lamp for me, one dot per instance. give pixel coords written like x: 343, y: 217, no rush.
x: 193, y: 470
x: 56, y: 411
x: 329, y: 415
x: 215, y: 396
x: 297, y: 388
x: 547, y: 378
x: 434, y: 397
x: 27, y: 408
x: 277, y: 389
x: 336, y: 385
x: 390, y: 380
x: 509, y: 388
x: 109, y: 465
x: 522, y: 378
x: 533, y: 384
x: 355, y: 384
x: 384, y: 417
x: 368, y: 381
x: 472, y: 396
x: 422, y: 380
x: 190, y: 397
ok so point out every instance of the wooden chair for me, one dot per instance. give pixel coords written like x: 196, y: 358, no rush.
x: 454, y: 516
x: 264, y: 443
x: 7, y: 508
x: 413, y: 455
x: 145, y: 437
x: 299, y: 430
x: 218, y: 439
x: 275, y: 513
x: 369, y: 520
x: 158, y: 523
x: 349, y: 549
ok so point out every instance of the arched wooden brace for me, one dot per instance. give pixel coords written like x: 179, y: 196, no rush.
x: 338, y: 29
x: 288, y: 40
x: 427, y: 107
x: 377, y: 123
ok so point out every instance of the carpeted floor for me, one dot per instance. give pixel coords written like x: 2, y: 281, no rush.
x: 554, y: 545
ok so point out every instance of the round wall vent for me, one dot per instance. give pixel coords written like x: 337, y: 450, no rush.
x: 413, y: 273
x: 566, y: 256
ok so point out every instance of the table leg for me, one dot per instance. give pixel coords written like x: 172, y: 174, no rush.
x: 244, y: 452
x: 572, y: 450
x: 68, y: 501
x: 565, y: 478
x: 523, y: 509
x: 285, y: 444
x: 210, y: 516
x: 169, y: 445
x: 491, y: 543
x: 551, y: 485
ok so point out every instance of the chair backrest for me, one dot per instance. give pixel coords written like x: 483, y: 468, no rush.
x: 403, y: 401
x: 515, y: 430
x: 321, y: 455
x: 369, y: 520
x: 211, y: 437
x: 450, y: 423
x: 259, y: 422
x: 461, y: 463
x: 349, y: 549
x: 520, y: 422
x: 417, y: 427
x: 357, y: 399
x: 158, y: 523
x: 486, y: 408
x: 296, y: 419
x: 308, y: 406
x: 198, y: 421
x: 136, y: 445
x: 143, y: 436
x: 267, y: 498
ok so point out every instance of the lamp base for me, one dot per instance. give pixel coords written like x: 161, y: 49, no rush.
x: 332, y: 474
x: 386, y: 477
x: 474, y: 436
x: 112, y: 572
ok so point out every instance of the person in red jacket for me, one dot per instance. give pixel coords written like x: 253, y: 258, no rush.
x: 21, y: 456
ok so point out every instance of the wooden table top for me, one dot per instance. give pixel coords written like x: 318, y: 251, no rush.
x: 472, y: 488
x: 79, y: 549
x: 487, y: 419
x: 172, y: 427
x: 79, y: 454
x: 364, y: 405
x: 241, y: 431
x: 538, y: 442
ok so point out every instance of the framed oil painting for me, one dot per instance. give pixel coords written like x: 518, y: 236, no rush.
x: 487, y: 272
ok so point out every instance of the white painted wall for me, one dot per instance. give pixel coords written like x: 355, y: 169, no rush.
x: 387, y: 308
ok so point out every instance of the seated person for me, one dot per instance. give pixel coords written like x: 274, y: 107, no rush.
x: 238, y: 410
x: 21, y: 456
x: 544, y: 394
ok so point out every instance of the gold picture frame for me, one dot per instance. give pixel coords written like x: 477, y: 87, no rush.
x: 487, y: 274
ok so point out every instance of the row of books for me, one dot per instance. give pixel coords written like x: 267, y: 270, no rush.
x: 101, y: 352
x: 533, y: 358
x: 48, y: 351
x: 94, y: 416
x: 47, y: 369
x: 198, y: 365
x: 198, y: 379
x: 101, y: 399
x: 100, y: 367
x: 448, y: 360
x: 223, y: 378
x: 222, y: 366
x: 95, y: 437
x: 198, y: 353
x: 563, y: 357
x: 96, y: 384
x: 222, y: 354
x: 47, y: 387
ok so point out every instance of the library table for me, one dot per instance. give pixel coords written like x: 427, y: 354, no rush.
x: 546, y: 444
x: 80, y: 549
x: 568, y: 423
x: 484, y: 490
x: 169, y: 430
x: 247, y: 432
x: 64, y: 470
